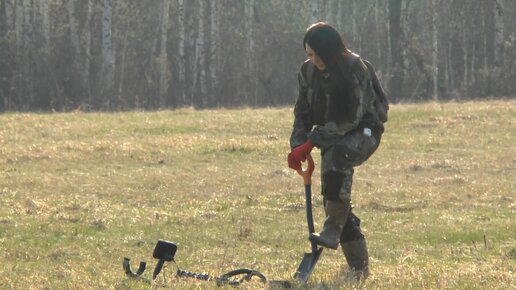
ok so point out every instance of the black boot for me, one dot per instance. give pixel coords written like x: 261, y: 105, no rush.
x: 357, y: 257
x: 337, y: 212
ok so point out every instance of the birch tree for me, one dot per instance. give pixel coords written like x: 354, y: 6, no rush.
x: 58, y: 54
x: 329, y: 6
x: 485, y: 34
x: 465, y: 69
x: 448, y: 48
x: 353, y: 17
x: 435, y: 46
x: 395, y: 84
x: 76, y: 50
x: 163, y: 57
x: 18, y: 22
x: 338, y: 22
x: 4, y: 18
x: 108, y: 57
x: 27, y: 81
x: 5, y: 21
x: 199, y: 74
x: 498, y: 33
x: 45, y: 27
x: 181, y: 62
x: 4, y: 74
x: 214, y: 45
x: 72, y: 28
x: 314, y: 11
x: 250, y: 66
x: 27, y: 23
x: 87, y: 52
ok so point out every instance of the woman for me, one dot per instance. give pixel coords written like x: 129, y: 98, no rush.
x: 335, y: 112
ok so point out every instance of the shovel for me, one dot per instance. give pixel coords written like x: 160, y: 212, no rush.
x: 309, y: 259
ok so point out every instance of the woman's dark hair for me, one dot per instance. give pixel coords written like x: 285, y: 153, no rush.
x: 327, y: 44
x: 325, y: 41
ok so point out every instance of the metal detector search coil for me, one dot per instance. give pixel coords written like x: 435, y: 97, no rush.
x: 165, y: 252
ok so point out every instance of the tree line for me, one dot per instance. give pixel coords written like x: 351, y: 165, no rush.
x: 148, y: 54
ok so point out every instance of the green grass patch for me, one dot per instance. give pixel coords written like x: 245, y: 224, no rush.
x: 81, y: 191
x: 163, y: 130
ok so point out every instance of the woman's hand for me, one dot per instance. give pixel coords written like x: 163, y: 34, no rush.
x: 298, y: 154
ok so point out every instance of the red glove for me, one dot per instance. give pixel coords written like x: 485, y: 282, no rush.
x: 298, y: 154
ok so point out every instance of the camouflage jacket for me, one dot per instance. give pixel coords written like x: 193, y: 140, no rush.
x: 340, y: 114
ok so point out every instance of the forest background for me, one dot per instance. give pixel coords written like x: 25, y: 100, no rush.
x: 147, y: 54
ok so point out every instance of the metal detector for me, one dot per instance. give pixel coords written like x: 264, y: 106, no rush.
x: 165, y: 252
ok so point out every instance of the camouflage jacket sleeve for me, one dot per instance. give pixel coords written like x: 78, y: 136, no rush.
x: 302, y: 119
x: 328, y: 134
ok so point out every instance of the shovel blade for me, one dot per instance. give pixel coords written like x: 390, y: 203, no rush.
x: 307, y: 265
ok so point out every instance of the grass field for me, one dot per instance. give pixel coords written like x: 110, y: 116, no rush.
x: 81, y: 191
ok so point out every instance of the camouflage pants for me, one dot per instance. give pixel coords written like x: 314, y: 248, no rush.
x: 340, y: 182
x: 337, y: 164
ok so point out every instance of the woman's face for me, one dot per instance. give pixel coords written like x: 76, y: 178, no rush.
x: 316, y: 60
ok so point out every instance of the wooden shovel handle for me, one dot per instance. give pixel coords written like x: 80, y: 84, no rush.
x: 307, y: 173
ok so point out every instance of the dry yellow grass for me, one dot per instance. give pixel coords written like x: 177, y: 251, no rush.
x: 78, y: 192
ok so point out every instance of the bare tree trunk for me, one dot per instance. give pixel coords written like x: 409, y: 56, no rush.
x: 465, y: 47
x: 395, y: 33
x: 4, y: 73
x: 405, y: 26
x: 124, y: 8
x: 76, y: 50
x: 18, y: 22
x: 450, y: 78
x: 74, y: 37
x: 45, y: 27
x: 472, y: 59
x: 329, y: 11
x: 28, y: 31
x: 484, y: 35
x: 435, y: 47
x: 87, y: 52
x: 250, y: 66
x: 354, y: 28
x: 122, y: 66
x: 6, y: 14
x: 377, y: 29
x: 338, y: 23
x: 181, y: 52
x: 40, y: 50
x: 388, y: 71
x: 214, y: 45
x: 27, y: 23
x: 314, y: 11
x: 108, y: 57
x: 163, y: 56
x: 498, y: 36
x: 3, y: 19
x: 199, y: 71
